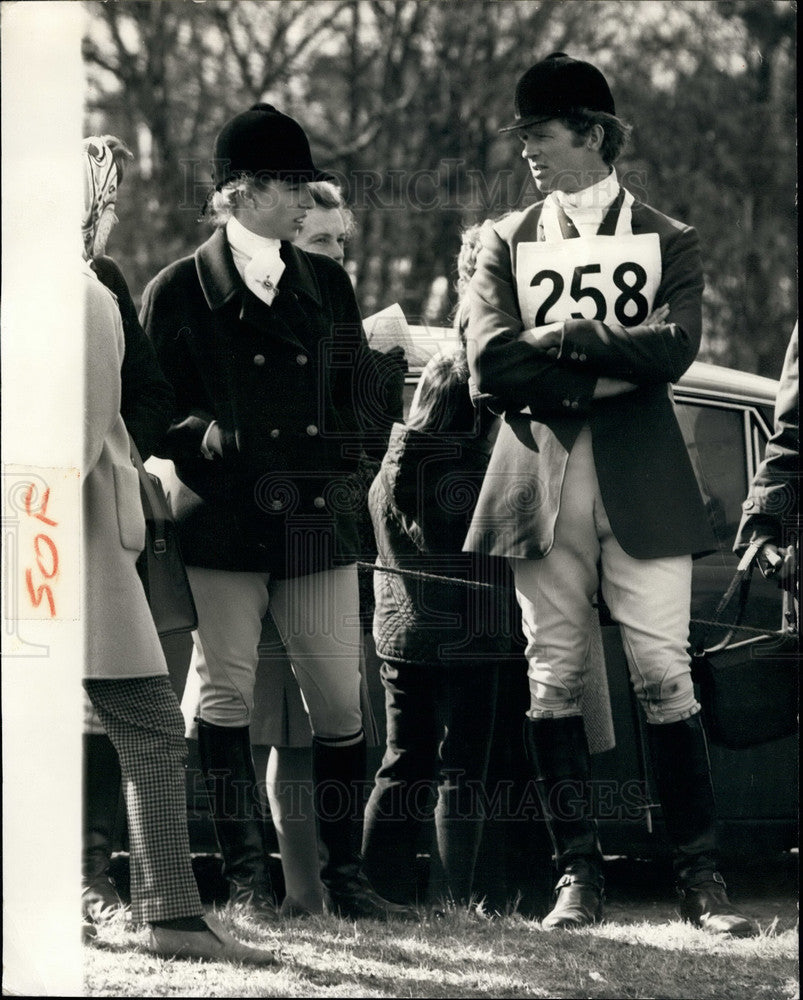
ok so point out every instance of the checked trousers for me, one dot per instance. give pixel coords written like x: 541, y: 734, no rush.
x: 142, y: 718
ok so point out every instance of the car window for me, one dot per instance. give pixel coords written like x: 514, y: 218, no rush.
x: 715, y: 439
x: 725, y: 442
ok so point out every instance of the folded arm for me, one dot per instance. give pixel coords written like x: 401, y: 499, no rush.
x: 504, y: 365
x: 653, y: 351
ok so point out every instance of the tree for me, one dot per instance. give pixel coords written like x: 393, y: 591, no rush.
x: 402, y: 100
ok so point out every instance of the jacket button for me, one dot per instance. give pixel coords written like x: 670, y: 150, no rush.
x: 259, y: 359
x: 583, y: 357
x: 312, y: 430
x: 275, y: 432
x: 575, y: 405
x: 567, y: 402
x: 302, y: 359
x: 574, y: 355
x: 319, y: 502
x: 749, y: 504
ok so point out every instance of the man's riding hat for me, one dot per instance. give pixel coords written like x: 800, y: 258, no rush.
x: 558, y: 86
x: 264, y: 143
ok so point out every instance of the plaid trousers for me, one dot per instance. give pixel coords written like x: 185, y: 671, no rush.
x: 142, y: 719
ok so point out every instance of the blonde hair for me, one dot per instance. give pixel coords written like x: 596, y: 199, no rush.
x: 221, y: 204
x: 326, y: 194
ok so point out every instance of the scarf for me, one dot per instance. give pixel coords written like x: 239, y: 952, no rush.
x: 100, y: 195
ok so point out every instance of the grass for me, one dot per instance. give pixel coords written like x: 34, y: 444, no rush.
x: 639, y: 951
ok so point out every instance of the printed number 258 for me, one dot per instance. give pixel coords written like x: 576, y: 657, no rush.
x: 630, y: 291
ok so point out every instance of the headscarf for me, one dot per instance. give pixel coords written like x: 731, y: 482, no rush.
x: 100, y: 194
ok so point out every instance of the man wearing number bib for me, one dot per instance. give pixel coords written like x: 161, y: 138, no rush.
x: 584, y: 309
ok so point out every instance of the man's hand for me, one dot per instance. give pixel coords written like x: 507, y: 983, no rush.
x: 607, y: 387
x: 212, y: 443
x: 546, y: 338
x: 777, y: 563
x: 658, y: 315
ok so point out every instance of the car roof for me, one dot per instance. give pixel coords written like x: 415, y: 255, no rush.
x: 708, y: 379
x: 701, y: 378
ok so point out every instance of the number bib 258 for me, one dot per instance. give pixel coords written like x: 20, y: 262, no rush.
x: 610, y: 278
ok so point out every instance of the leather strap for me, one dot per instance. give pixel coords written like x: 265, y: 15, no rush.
x: 151, y: 506
x: 741, y: 583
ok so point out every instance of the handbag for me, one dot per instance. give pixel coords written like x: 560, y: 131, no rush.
x: 160, y: 565
x: 748, y: 689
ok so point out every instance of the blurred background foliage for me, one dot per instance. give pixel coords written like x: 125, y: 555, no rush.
x: 402, y: 100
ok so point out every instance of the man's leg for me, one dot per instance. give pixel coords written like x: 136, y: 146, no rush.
x: 650, y: 599
x: 555, y: 595
x: 230, y: 611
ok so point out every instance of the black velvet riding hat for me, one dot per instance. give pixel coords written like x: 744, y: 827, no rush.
x: 264, y: 143
x: 557, y: 86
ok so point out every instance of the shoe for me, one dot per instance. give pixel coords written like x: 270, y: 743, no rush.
x: 354, y: 899
x: 290, y: 908
x: 212, y: 945
x: 577, y: 904
x: 100, y: 895
x: 255, y: 901
x: 707, y: 906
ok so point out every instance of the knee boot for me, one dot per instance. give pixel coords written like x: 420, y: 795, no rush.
x: 558, y: 752
x: 228, y: 769
x: 338, y: 769
x: 102, y: 786
x: 682, y: 771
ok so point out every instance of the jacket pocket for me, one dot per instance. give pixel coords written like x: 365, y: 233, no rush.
x: 130, y: 519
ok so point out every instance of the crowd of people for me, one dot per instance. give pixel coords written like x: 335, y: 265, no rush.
x: 540, y: 462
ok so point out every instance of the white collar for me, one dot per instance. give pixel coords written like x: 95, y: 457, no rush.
x: 598, y: 196
x: 246, y: 243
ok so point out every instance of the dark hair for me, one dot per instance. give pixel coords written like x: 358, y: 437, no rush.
x: 442, y: 401
x: 616, y: 131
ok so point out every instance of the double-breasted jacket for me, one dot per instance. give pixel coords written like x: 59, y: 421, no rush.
x: 290, y: 386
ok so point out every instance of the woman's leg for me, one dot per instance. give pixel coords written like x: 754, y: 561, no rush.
x: 289, y: 787
x: 401, y: 799
x: 143, y: 721
x: 469, y: 697
x: 318, y: 618
x: 230, y: 611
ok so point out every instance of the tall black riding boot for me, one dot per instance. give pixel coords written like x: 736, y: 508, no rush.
x: 338, y: 769
x: 682, y: 771
x: 558, y: 752
x: 102, y: 786
x: 228, y: 769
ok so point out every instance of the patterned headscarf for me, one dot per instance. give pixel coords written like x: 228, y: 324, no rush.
x: 100, y: 194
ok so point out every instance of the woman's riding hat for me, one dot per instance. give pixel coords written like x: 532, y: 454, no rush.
x: 263, y: 142
x: 558, y: 86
